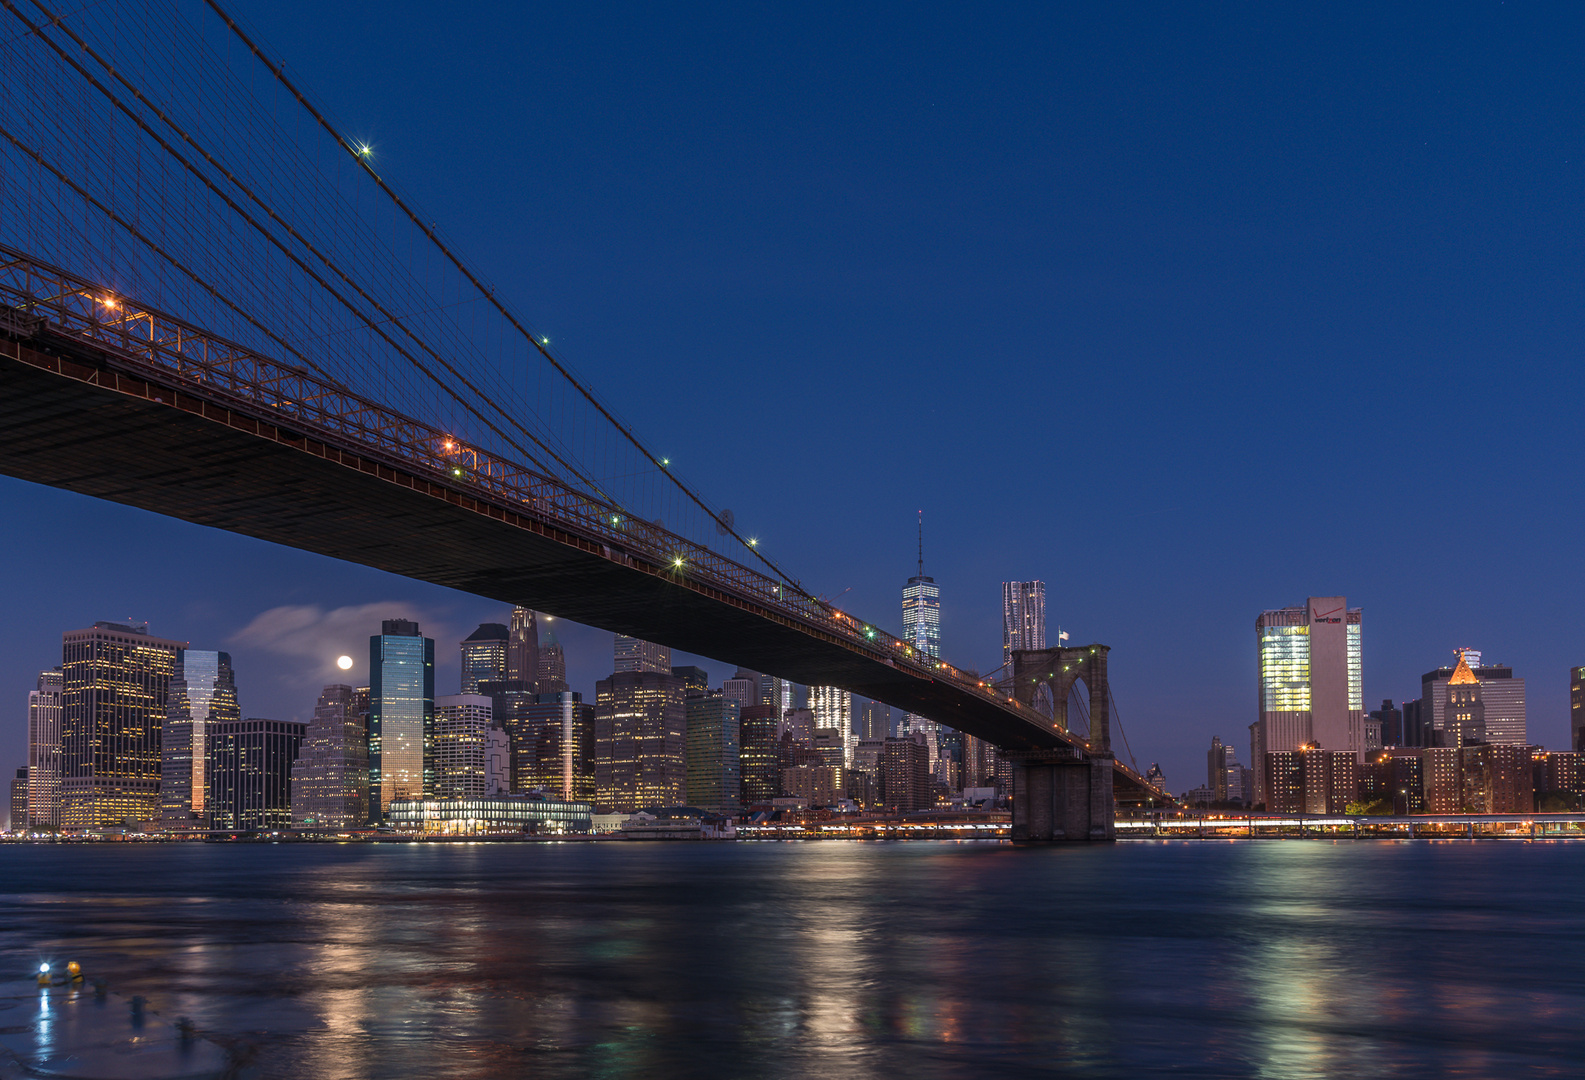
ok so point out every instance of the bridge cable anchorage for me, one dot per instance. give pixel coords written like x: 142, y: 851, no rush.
x: 357, y: 312
x: 427, y: 228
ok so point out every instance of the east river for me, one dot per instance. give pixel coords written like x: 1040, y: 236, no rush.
x: 911, y: 960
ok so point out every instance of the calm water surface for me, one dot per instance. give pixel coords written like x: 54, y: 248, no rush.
x: 835, y: 959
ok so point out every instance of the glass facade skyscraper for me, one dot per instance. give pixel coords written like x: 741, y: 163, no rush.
x: 114, y: 693
x: 203, y: 691
x: 401, y: 715
x: 922, y: 631
x: 714, y: 762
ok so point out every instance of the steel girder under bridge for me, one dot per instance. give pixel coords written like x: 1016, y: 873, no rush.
x: 109, y: 399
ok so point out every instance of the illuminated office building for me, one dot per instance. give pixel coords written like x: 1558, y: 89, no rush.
x: 553, y: 746
x: 758, y: 772
x: 115, y: 690
x: 462, y: 726
x: 203, y: 691
x: 330, y: 778
x: 484, y: 656
x: 44, y: 753
x: 640, y: 725
x: 248, y: 773
x: 401, y: 715
x: 522, y: 647
x: 1464, y: 713
x: 552, y: 664
x: 636, y: 654
x: 922, y: 632
x: 1311, y: 682
x: 713, y: 763
x: 906, y: 783
x: 1502, y: 700
x: 19, y: 799
x: 833, y: 708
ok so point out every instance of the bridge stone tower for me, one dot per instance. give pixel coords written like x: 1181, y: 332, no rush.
x: 1064, y: 794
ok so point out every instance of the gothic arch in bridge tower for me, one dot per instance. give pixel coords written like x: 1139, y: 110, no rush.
x: 1057, y: 671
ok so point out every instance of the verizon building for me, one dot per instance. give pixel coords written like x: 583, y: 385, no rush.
x: 1311, y: 686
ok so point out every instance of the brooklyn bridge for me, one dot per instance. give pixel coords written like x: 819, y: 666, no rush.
x: 214, y: 307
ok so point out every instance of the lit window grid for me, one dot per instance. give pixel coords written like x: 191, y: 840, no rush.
x: 922, y: 616
x: 1356, y: 669
x: 1285, y: 669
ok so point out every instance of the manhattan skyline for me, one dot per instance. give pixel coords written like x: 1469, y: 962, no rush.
x: 1245, y: 321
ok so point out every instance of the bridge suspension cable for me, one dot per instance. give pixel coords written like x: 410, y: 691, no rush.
x: 722, y: 523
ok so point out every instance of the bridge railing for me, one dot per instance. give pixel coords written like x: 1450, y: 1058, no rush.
x: 173, y: 350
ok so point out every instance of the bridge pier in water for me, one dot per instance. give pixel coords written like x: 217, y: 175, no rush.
x: 1064, y: 795
x: 1062, y: 798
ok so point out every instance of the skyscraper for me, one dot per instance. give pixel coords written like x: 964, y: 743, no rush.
x: 44, y: 752
x: 922, y: 632
x: 553, y: 746
x: 1311, y: 681
x: 1464, y: 715
x: 522, y: 647
x: 758, y: 772
x: 875, y: 721
x: 636, y: 654
x: 640, y: 724
x: 114, y: 694
x: 484, y: 656
x: 203, y: 690
x: 1216, y: 769
x: 19, y: 799
x: 330, y: 779
x: 833, y: 709
x: 746, y: 688
x: 1576, y: 707
x: 1391, y: 721
x: 713, y: 763
x: 1502, y: 699
x: 462, y: 726
x: 401, y: 715
x: 1023, y: 617
x: 248, y: 773
x: 552, y: 664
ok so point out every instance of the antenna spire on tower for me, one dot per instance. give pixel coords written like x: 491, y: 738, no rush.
x: 921, y: 543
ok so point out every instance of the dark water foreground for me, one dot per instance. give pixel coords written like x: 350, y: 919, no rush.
x: 835, y: 959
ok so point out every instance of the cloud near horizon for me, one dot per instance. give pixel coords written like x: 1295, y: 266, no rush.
x: 312, y: 633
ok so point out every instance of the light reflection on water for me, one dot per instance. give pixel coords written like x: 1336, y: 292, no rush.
x: 841, y: 959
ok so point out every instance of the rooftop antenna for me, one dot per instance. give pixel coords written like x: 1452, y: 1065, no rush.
x: 921, y: 543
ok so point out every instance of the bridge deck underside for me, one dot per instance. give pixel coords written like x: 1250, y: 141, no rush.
x: 274, y: 484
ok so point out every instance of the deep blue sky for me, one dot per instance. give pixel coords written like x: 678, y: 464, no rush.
x: 1188, y: 310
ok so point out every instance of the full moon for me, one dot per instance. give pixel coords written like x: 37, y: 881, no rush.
x: 344, y: 663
